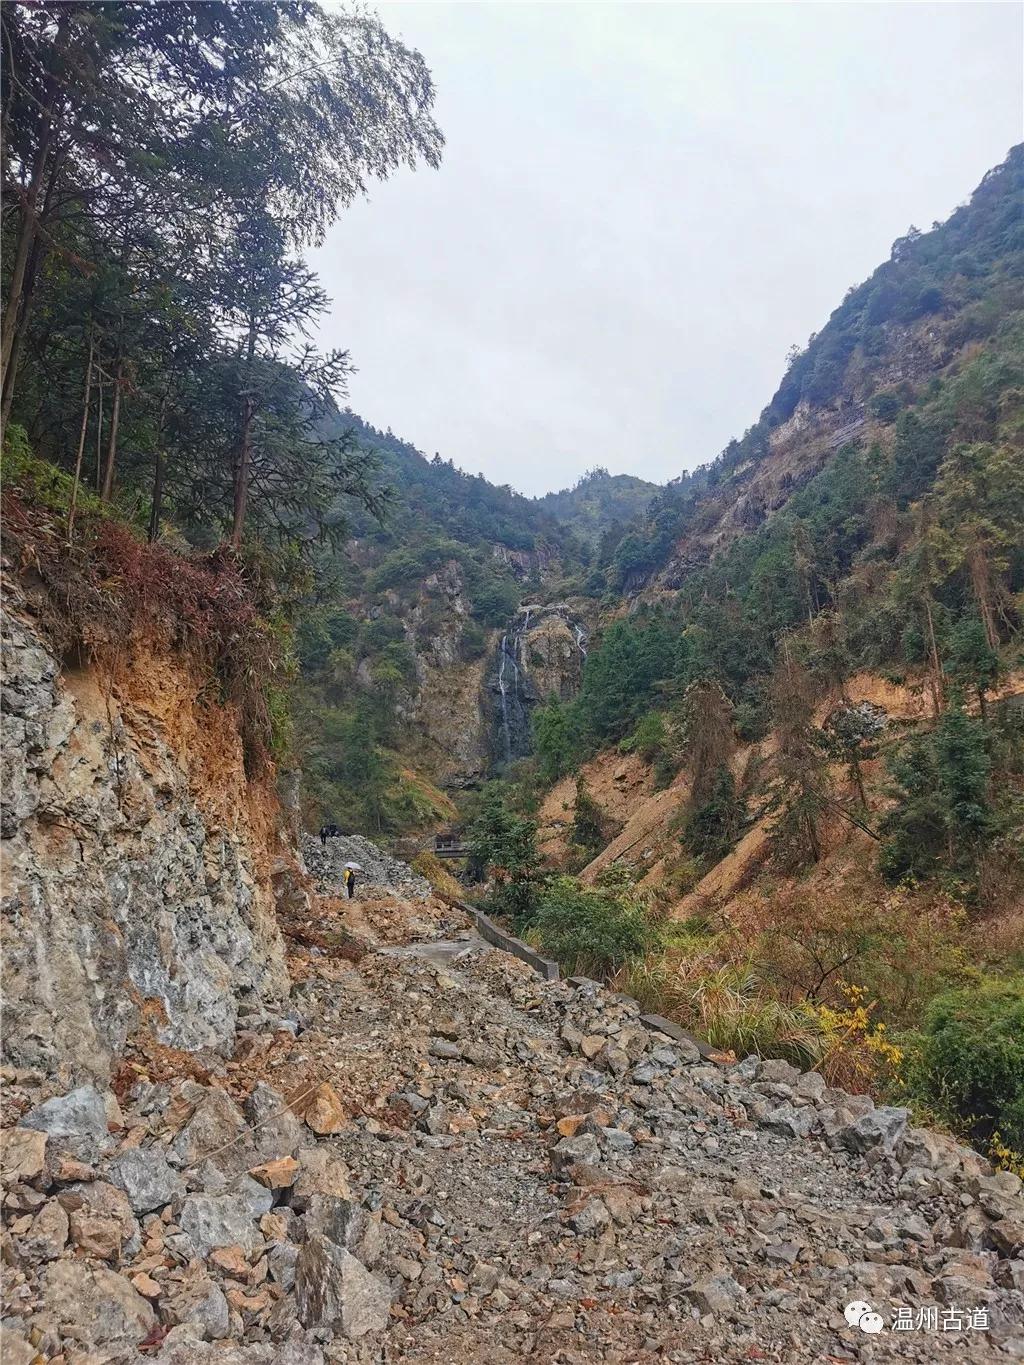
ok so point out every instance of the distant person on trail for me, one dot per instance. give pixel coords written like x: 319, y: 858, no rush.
x: 324, y: 831
x: 329, y: 832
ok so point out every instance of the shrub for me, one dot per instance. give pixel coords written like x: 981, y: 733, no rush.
x: 972, y: 1058
x: 886, y: 406
x: 589, y: 826
x: 731, y: 1009
x: 593, y: 932
x: 649, y: 737
x: 714, y: 826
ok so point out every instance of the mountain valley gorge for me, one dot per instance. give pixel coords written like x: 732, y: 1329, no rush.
x: 441, y: 924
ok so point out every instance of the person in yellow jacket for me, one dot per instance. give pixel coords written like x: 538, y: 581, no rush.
x: 350, y: 882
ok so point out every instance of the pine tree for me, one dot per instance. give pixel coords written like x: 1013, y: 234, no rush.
x: 804, y: 792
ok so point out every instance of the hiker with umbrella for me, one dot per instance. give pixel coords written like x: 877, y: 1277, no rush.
x: 350, y: 878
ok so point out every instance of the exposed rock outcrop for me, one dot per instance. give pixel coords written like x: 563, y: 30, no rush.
x: 136, y: 859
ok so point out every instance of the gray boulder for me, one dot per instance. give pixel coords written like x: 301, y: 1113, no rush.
x: 217, y: 1133
x: 95, y: 1306
x: 581, y: 1150
x: 146, y: 1178
x: 714, y: 1293
x: 229, y: 1219
x: 790, y: 1122
x: 201, y: 1307
x: 76, y: 1121
x: 333, y: 1289
x: 278, y: 1131
x: 882, y: 1128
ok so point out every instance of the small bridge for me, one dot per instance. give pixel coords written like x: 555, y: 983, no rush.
x: 450, y: 846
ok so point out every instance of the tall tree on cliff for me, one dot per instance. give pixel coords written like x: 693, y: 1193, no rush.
x: 138, y: 132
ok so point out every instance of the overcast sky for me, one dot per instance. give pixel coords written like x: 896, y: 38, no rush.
x: 640, y: 208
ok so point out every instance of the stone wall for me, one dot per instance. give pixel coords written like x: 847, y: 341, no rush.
x: 137, y: 859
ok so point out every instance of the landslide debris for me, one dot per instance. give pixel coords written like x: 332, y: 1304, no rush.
x: 439, y: 1157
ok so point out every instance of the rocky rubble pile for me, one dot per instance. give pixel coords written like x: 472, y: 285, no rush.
x: 455, y: 1161
x: 380, y: 872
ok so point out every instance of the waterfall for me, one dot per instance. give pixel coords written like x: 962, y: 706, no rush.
x: 503, y: 655
x: 515, y: 685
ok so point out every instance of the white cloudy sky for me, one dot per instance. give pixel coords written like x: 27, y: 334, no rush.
x: 641, y: 207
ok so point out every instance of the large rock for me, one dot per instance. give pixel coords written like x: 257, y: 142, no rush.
x: 146, y: 1178
x: 217, y: 1132
x: 878, y: 1128
x: 345, y: 1223
x: 76, y: 1121
x: 323, y: 1111
x: 101, y: 1219
x: 333, y: 1289
x: 22, y: 1154
x: 48, y: 1235
x: 200, y: 1305
x: 277, y: 1131
x: 229, y: 1219
x: 716, y: 1294
x: 95, y: 1306
x: 582, y: 1150
x: 320, y: 1172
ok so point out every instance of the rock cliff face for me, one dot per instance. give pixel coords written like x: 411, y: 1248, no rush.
x: 445, y: 729
x: 467, y: 713
x: 540, y: 655
x: 138, y: 860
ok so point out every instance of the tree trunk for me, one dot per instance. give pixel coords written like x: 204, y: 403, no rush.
x: 99, y: 430
x: 158, y: 477
x: 241, y: 473
x: 938, y: 684
x: 858, y: 778
x: 115, y: 417
x: 981, y: 582
x: 158, y: 494
x: 19, y: 324
x: 81, y: 440
x: 28, y: 231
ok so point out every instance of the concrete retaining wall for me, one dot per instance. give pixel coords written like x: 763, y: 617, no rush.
x: 498, y: 938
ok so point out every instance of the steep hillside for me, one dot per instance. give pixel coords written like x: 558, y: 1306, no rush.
x: 146, y: 852
x: 786, y: 807
x: 921, y: 315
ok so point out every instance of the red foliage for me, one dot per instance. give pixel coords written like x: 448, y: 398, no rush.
x: 105, y: 588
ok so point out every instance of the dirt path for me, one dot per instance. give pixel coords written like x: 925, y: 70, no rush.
x: 522, y: 1171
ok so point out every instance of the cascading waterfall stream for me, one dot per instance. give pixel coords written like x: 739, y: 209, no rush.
x: 504, y: 699
x: 519, y: 693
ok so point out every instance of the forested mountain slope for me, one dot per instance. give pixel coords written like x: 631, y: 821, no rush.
x: 787, y: 805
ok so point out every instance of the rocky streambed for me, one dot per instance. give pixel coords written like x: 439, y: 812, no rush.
x: 443, y: 1158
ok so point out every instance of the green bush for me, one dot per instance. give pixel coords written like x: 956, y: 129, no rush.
x: 648, y: 739
x: 971, y: 1063
x: 593, y: 932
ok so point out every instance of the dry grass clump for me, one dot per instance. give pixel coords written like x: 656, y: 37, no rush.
x: 429, y: 865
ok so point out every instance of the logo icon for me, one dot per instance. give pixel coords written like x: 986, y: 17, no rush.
x: 862, y: 1315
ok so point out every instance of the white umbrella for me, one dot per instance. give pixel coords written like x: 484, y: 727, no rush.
x: 354, y: 866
